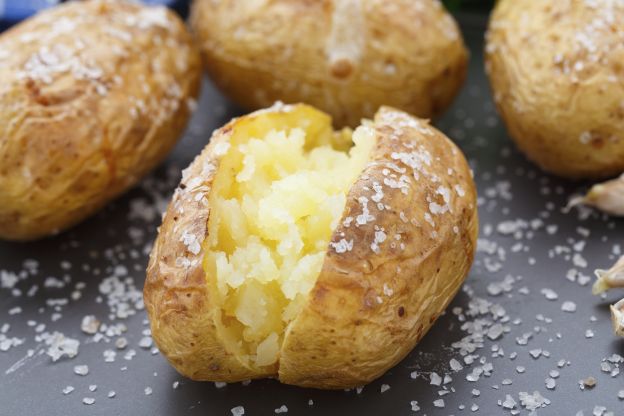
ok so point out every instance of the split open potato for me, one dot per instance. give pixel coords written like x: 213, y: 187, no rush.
x: 314, y: 256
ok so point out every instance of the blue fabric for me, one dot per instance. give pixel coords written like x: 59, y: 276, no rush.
x: 12, y: 11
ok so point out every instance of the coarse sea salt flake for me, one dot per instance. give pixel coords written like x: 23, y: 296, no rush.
x: 342, y: 246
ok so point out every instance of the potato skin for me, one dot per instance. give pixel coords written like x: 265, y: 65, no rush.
x: 556, y: 72
x: 370, y: 305
x: 345, y: 57
x: 93, y: 95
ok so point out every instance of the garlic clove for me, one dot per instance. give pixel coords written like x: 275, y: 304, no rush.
x: 607, y: 197
x: 617, y: 318
x: 609, y: 279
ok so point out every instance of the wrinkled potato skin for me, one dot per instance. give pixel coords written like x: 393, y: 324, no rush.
x: 72, y: 139
x: 560, y: 96
x: 344, y: 336
x: 346, y: 57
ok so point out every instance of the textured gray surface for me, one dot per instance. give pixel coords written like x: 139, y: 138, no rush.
x: 524, y: 234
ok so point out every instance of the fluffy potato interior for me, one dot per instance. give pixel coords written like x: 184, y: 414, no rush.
x: 279, y: 193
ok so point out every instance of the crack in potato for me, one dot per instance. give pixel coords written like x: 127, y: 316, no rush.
x: 277, y: 199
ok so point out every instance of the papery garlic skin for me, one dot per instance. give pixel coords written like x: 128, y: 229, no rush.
x: 607, y: 197
x: 609, y: 279
x: 617, y: 318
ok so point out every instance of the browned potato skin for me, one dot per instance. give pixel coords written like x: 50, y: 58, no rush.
x: 70, y: 141
x: 411, y: 54
x: 343, y: 337
x: 547, y: 101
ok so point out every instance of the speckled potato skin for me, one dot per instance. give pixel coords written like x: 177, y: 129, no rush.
x: 369, y: 306
x: 92, y: 96
x: 557, y: 74
x: 345, y: 57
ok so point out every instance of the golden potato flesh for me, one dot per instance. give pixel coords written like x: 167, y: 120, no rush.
x: 557, y: 72
x: 315, y: 256
x: 345, y: 57
x: 92, y: 95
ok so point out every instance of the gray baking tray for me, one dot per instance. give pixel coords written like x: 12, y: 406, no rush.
x: 506, y: 329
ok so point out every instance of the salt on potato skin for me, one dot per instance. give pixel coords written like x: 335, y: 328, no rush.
x: 556, y: 74
x: 349, y: 56
x: 93, y: 95
x: 390, y: 268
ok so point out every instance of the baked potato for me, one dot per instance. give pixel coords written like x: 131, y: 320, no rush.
x: 92, y: 96
x: 316, y: 257
x: 556, y: 71
x: 345, y: 57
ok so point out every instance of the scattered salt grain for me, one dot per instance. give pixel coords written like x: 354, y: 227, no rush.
x: 238, y: 411
x: 589, y: 382
x: 550, y: 383
x: 281, y: 409
x: 549, y: 294
x: 435, y: 379
x: 90, y: 324
x: 509, y: 402
x: 81, y: 370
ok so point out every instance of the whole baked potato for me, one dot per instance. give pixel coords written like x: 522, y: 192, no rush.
x: 92, y: 96
x: 317, y: 257
x: 557, y: 72
x: 346, y: 57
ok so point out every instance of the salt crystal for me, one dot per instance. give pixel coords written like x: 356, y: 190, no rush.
x: 509, y: 402
x: 549, y: 294
x: 89, y: 324
x: 536, y: 353
x: 60, y: 345
x: 121, y: 343
x: 533, y: 401
x: 568, y: 306
x: 589, y: 382
x: 81, y: 370
x: 455, y: 365
x: 435, y: 379
x: 238, y: 411
x: 495, y: 331
x: 550, y: 383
